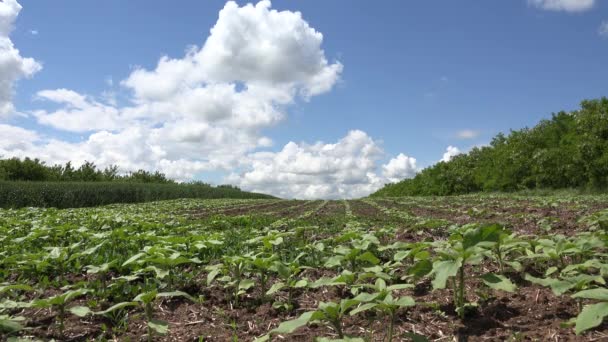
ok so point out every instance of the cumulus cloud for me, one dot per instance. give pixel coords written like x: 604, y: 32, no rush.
x: 467, y: 134
x: 209, y: 107
x: 450, y: 153
x: 78, y: 114
x: 399, y: 168
x: 603, y: 30
x: 203, y: 111
x: 14, y: 141
x: 345, y: 169
x: 563, y: 5
x: 207, y: 111
x: 12, y: 65
x: 253, y: 44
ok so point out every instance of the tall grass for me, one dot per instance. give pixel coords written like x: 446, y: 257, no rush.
x: 89, y: 194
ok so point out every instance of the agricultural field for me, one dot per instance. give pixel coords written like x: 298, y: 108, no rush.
x: 492, y: 267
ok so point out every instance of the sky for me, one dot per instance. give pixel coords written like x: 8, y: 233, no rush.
x: 301, y: 98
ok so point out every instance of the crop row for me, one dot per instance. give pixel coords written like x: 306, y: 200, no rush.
x: 115, y: 264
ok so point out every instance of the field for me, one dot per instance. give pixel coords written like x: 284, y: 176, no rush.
x: 468, y: 267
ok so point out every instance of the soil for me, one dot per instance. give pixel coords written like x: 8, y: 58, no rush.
x: 533, y: 313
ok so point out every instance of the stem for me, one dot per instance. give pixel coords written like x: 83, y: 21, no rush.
x: 391, y: 326
x: 338, y: 325
x: 461, y: 293
x: 148, y: 310
x: 500, y: 263
x: 263, y: 281
x: 61, y: 317
x: 455, y: 292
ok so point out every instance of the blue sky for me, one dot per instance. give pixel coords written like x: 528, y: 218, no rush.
x: 405, y: 80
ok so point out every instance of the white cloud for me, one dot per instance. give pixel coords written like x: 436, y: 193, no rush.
x: 79, y: 113
x: 15, y: 141
x: 467, y: 134
x: 450, y: 153
x: 254, y: 45
x: 131, y: 149
x: 563, y: 5
x: 603, y: 30
x: 255, y: 62
x: 12, y: 65
x: 345, y: 169
x: 399, y: 168
x: 261, y: 45
x: 34, y: 32
x: 204, y: 111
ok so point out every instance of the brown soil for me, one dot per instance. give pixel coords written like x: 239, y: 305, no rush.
x: 533, y: 313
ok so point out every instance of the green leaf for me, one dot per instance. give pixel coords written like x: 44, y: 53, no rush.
x: 246, y: 284
x: 363, y: 307
x: 116, y: 307
x: 133, y: 259
x: 550, y: 271
x: 591, y: 317
x: 421, y: 268
x: 369, y: 257
x: 9, y: 326
x: 558, y: 287
x: 367, y: 297
x: 346, y: 304
x: 176, y: 294
x: 80, y: 311
x: 498, y: 282
x: 599, y: 294
x: 275, y: 288
x: 290, y: 326
x: 443, y: 270
x: 301, y: 283
x: 334, y: 261
x: 19, y: 287
x: 406, y: 301
x: 212, y: 275
x: 401, y: 255
x: 146, y: 297
x: 161, y: 327
x: 489, y: 233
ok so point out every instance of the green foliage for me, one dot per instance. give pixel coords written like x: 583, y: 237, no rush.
x: 90, y: 194
x: 31, y: 183
x: 119, y: 269
x: 467, y: 246
x: 570, y: 150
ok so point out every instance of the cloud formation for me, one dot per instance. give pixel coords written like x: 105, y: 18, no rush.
x: 345, y: 169
x: 207, y: 109
x: 563, y: 5
x: 12, y: 65
x: 450, y: 153
x: 467, y: 134
x: 399, y: 168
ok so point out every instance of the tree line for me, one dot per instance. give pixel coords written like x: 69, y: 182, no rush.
x: 31, y: 183
x: 569, y: 150
x: 15, y: 169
